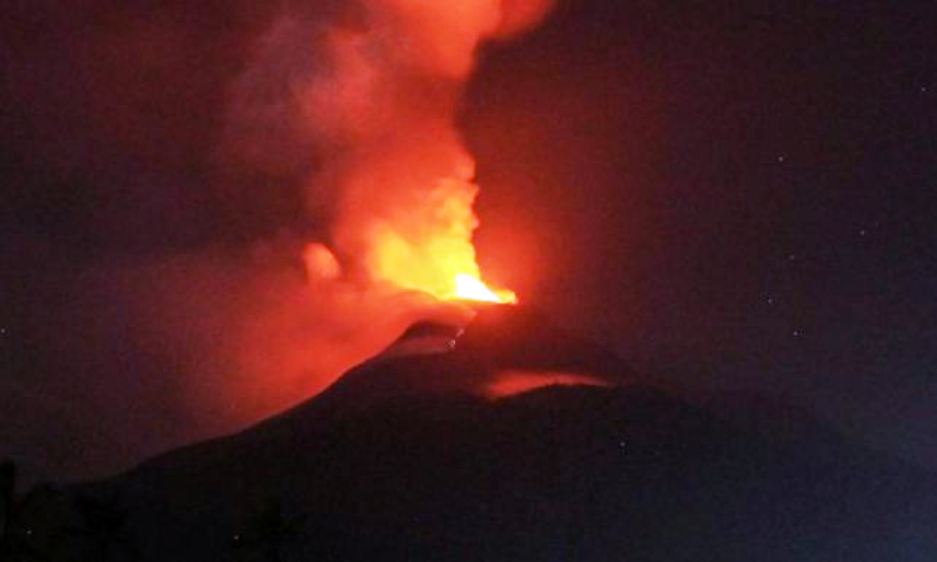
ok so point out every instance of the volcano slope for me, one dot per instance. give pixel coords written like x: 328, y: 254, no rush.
x: 405, y: 459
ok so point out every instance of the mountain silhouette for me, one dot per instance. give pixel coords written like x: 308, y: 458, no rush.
x: 412, y: 457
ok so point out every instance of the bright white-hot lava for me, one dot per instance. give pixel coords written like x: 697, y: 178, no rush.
x: 472, y: 288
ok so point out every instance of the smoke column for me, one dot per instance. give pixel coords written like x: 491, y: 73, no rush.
x: 362, y: 97
x: 370, y: 90
x: 355, y: 99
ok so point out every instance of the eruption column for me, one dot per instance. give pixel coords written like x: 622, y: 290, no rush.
x: 381, y: 109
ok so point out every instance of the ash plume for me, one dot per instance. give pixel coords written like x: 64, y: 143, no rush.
x: 201, y: 336
x: 369, y: 92
x: 361, y: 99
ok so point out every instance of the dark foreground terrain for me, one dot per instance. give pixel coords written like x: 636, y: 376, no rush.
x: 403, y: 459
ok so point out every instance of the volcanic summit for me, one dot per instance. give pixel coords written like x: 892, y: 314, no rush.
x: 411, y: 456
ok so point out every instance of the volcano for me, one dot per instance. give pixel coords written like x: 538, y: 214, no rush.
x: 411, y: 456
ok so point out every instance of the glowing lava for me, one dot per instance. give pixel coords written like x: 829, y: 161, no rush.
x: 511, y: 382
x: 424, y: 242
x: 474, y: 289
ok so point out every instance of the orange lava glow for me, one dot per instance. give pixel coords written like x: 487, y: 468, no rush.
x: 425, y: 243
x: 426, y: 246
x: 474, y: 289
x: 511, y: 382
x: 440, y: 264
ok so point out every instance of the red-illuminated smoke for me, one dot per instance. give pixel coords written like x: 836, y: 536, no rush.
x: 363, y: 95
x: 373, y: 93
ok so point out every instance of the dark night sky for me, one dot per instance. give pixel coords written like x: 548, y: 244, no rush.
x: 735, y: 194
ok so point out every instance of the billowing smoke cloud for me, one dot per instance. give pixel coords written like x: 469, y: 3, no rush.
x: 358, y: 100
x: 363, y: 97
x: 370, y: 92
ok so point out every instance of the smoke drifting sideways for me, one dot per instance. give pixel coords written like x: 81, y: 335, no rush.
x: 358, y: 97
